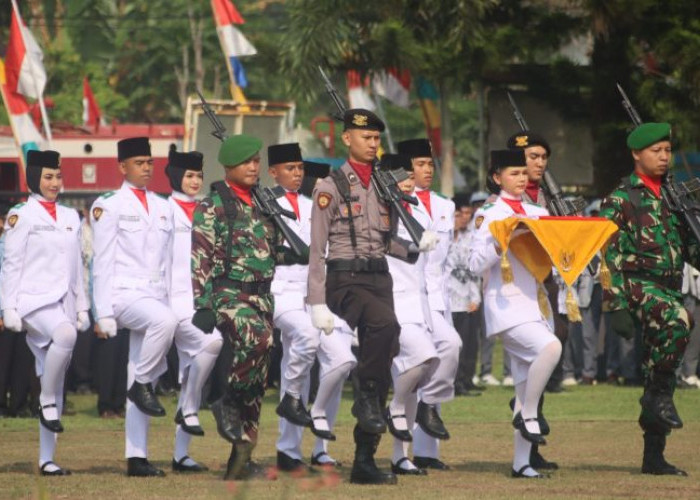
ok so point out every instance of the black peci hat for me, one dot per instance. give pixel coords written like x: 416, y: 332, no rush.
x: 36, y: 161
x: 134, y: 146
x: 391, y: 161
x: 178, y: 163
x: 283, y: 153
x: 313, y: 171
x: 415, y: 148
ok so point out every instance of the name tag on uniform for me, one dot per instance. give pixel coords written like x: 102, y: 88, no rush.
x: 130, y: 218
x: 43, y: 228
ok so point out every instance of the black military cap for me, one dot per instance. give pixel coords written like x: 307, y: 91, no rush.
x: 283, y: 153
x: 313, y: 171
x: 415, y: 148
x: 133, y: 146
x: 528, y: 139
x: 396, y: 161
x: 178, y: 163
x: 362, y: 119
x: 36, y: 161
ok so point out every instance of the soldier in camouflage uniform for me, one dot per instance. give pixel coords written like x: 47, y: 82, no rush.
x: 234, y: 252
x: 646, y: 260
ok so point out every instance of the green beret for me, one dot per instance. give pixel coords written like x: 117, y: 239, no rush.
x: 647, y: 134
x: 238, y: 148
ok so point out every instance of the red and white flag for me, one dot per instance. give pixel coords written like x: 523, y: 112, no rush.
x: 91, y: 110
x: 24, y: 61
x: 358, y: 94
x: 393, y: 85
x: 232, y: 40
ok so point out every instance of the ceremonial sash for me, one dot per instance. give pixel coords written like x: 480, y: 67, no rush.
x: 567, y: 243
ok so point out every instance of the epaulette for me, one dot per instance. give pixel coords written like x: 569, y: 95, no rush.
x: 532, y: 203
x: 163, y: 196
x: 108, y: 194
x: 486, y: 206
x: 441, y: 195
x: 19, y: 205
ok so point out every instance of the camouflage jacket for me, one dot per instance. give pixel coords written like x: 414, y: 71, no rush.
x: 256, y: 248
x: 651, y: 241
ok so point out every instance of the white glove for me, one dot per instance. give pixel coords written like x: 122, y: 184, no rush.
x: 428, y: 241
x: 83, y: 321
x: 12, y: 320
x: 322, y: 318
x: 108, y: 326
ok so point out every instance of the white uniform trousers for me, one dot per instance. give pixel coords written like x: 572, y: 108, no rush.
x: 152, y: 326
x: 301, y: 343
x: 190, y: 341
x: 440, y: 388
x: 40, y: 325
x: 415, y: 348
x: 524, y: 342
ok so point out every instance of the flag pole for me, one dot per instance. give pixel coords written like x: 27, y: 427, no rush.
x: 40, y: 95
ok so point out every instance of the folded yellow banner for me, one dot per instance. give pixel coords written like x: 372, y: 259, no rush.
x: 567, y: 243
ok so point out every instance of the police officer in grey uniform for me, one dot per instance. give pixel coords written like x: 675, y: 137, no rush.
x: 351, y: 222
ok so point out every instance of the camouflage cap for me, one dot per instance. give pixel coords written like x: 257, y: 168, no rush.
x: 647, y: 134
x: 238, y: 148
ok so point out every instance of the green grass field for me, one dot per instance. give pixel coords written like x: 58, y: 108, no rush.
x: 594, y: 438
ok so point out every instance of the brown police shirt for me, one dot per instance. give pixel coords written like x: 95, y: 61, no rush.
x: 330, y: 229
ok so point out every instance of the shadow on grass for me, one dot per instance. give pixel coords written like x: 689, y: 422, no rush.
x: 21, y: 467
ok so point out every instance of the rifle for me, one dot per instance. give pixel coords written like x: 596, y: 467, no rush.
x: 679, y: 197
x: 556, y: 203
x: 385, y: 182
x: 264, y: 197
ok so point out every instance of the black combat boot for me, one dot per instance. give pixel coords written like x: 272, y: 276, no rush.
x: 364, y: 470
x: 367, y: 408
x: 240, y: 466
x: 658, y: 399
x: 654, y: 461
x: 227, y: 413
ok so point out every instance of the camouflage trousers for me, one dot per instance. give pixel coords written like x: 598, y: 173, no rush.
x: 249, y: 330
x: 665, y: 334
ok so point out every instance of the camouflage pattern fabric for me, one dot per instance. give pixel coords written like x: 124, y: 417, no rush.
x: 246, y: 320
x: 646, y: 261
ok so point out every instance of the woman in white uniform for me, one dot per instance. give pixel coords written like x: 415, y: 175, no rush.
x: 42, y: 290
x: 197, y: 350
x: 512, y: 309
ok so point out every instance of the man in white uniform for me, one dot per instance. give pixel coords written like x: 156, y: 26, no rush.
x: 132, y: 238
x: 301, y: 341
x: 197, y: 351
x: 417, y: 360
x: 440, y: 213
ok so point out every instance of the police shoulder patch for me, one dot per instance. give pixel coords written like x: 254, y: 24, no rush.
x: 12, y: 220
x: 324, y: 199
x: 478, y: 221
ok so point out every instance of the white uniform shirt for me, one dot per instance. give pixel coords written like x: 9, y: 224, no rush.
x: 441, y: 222
x: 505, y: 306
x: 463, y: 286
x: 181, y: 296
x: 411, y: 304
x: 131, y: 248
x: 289, y: 284
x: 42, y: 263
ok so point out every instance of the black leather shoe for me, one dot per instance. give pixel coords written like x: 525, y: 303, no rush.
x: 145, y: 399
x: 180, y: 466
x: 544, y: 425
x: 430, y: 463
x: 368, y: 411
x: 292, y: 409
x: 57, y: 472
x: 322, y: 433
x: 52, y: 425
x: 195, y: 430
x: 520, y: 474
x: 399, y: 471
x: 534, y: 438
x: 141, y: 467
x: 228, y: 419
x: 428, y: 418
x: 286, y: 463
x: 331, y: 463
x: 401, y: 435
x: 539, y: 462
